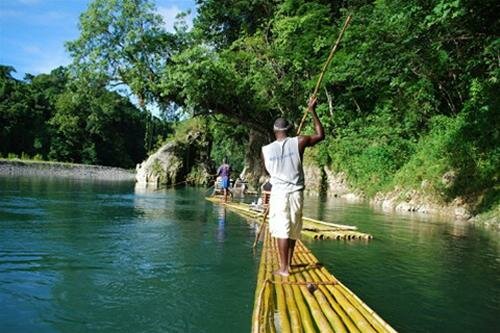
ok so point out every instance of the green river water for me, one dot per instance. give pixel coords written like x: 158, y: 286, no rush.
x: 81, y: 256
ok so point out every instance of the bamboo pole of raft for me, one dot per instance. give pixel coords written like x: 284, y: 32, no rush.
x: 296, y: 295
x: 325, y: 66
x: 340, y: 226
x: 314, y: 306
x: 293, y: 310
x: 260, y: 321
x: 294, y: 324
x: 305, y: 315
x: 368, y: 314
x: 350, y: 308
x: 281, y: 303
x: 373, y: 318
x: 343, y: 317
x: 329, y: 313
x: 360, y: 313
x: 258, y: 317
x: 323, y: 298
x: 267, y: 316
x: 259, y: 290
x: 262, y: 225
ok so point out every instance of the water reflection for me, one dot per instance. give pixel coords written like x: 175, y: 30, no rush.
x: 221, y: 222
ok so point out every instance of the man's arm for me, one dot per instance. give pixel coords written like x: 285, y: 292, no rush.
x: 311, y: 140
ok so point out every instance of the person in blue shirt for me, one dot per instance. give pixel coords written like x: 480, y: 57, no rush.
x: 224, y: 171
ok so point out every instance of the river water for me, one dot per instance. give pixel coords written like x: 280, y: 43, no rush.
x: 80, y: 256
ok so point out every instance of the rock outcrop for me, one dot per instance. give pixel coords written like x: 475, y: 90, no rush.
x: 334, y: 184
x: 324, y: 181
x: 414, y: 201
x: 163, y: 167
x: 178, y: 161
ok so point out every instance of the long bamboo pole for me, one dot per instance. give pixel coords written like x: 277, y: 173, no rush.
x: 315, y: 276
x: 261, y: 227
x: 323, y: 299
x: 325, y: 66
x: 353, y: 309
x: 296, y: 294
x: 280, y: 298
x: 314, y: 306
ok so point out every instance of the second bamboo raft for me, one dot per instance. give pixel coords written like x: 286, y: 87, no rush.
x: 312, y: 228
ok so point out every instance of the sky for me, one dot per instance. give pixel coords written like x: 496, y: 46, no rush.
x: 33, y: 32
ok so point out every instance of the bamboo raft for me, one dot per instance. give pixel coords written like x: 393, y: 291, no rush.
x: 309, y: 300
x: 312, y: 229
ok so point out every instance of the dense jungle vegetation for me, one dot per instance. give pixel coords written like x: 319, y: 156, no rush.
x: 411, y: 95
x: 55, y: 117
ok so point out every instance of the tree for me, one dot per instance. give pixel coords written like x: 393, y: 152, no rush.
x: 13, y: 109
x: 122, y: 43
x: 105, y: 129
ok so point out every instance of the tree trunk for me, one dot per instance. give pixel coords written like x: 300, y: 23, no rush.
x: 253, y: 159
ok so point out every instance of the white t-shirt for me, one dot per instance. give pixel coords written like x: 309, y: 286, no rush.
x: 282, y: 160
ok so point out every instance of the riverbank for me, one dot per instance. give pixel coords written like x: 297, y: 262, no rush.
x: 399, y: 200
x: 18, y: 167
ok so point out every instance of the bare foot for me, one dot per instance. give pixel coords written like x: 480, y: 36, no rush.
x: 282, y: 273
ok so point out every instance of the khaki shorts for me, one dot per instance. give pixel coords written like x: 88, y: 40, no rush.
x: 285, y: 214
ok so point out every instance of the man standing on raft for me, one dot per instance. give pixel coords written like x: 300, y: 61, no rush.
x: 224, y: 172
x: 283, y: 162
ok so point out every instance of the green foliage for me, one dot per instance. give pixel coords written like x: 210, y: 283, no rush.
x: 412, y: 91
x: 38, y: 157
x: 25, y: 107
x: 370, y: 150
x: 223, y: 22
x: 198, y: 176
x: 53, y: 117
x: 411, y: 85
x: 106, y: 129
x: 121, y: 42
x: 467, y: 146
x: 229, y: 140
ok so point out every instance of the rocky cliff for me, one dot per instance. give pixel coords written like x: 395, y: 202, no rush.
x: 322, y: 180
x: 179, y: 160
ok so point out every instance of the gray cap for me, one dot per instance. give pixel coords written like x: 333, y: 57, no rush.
x: 281, y: 124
